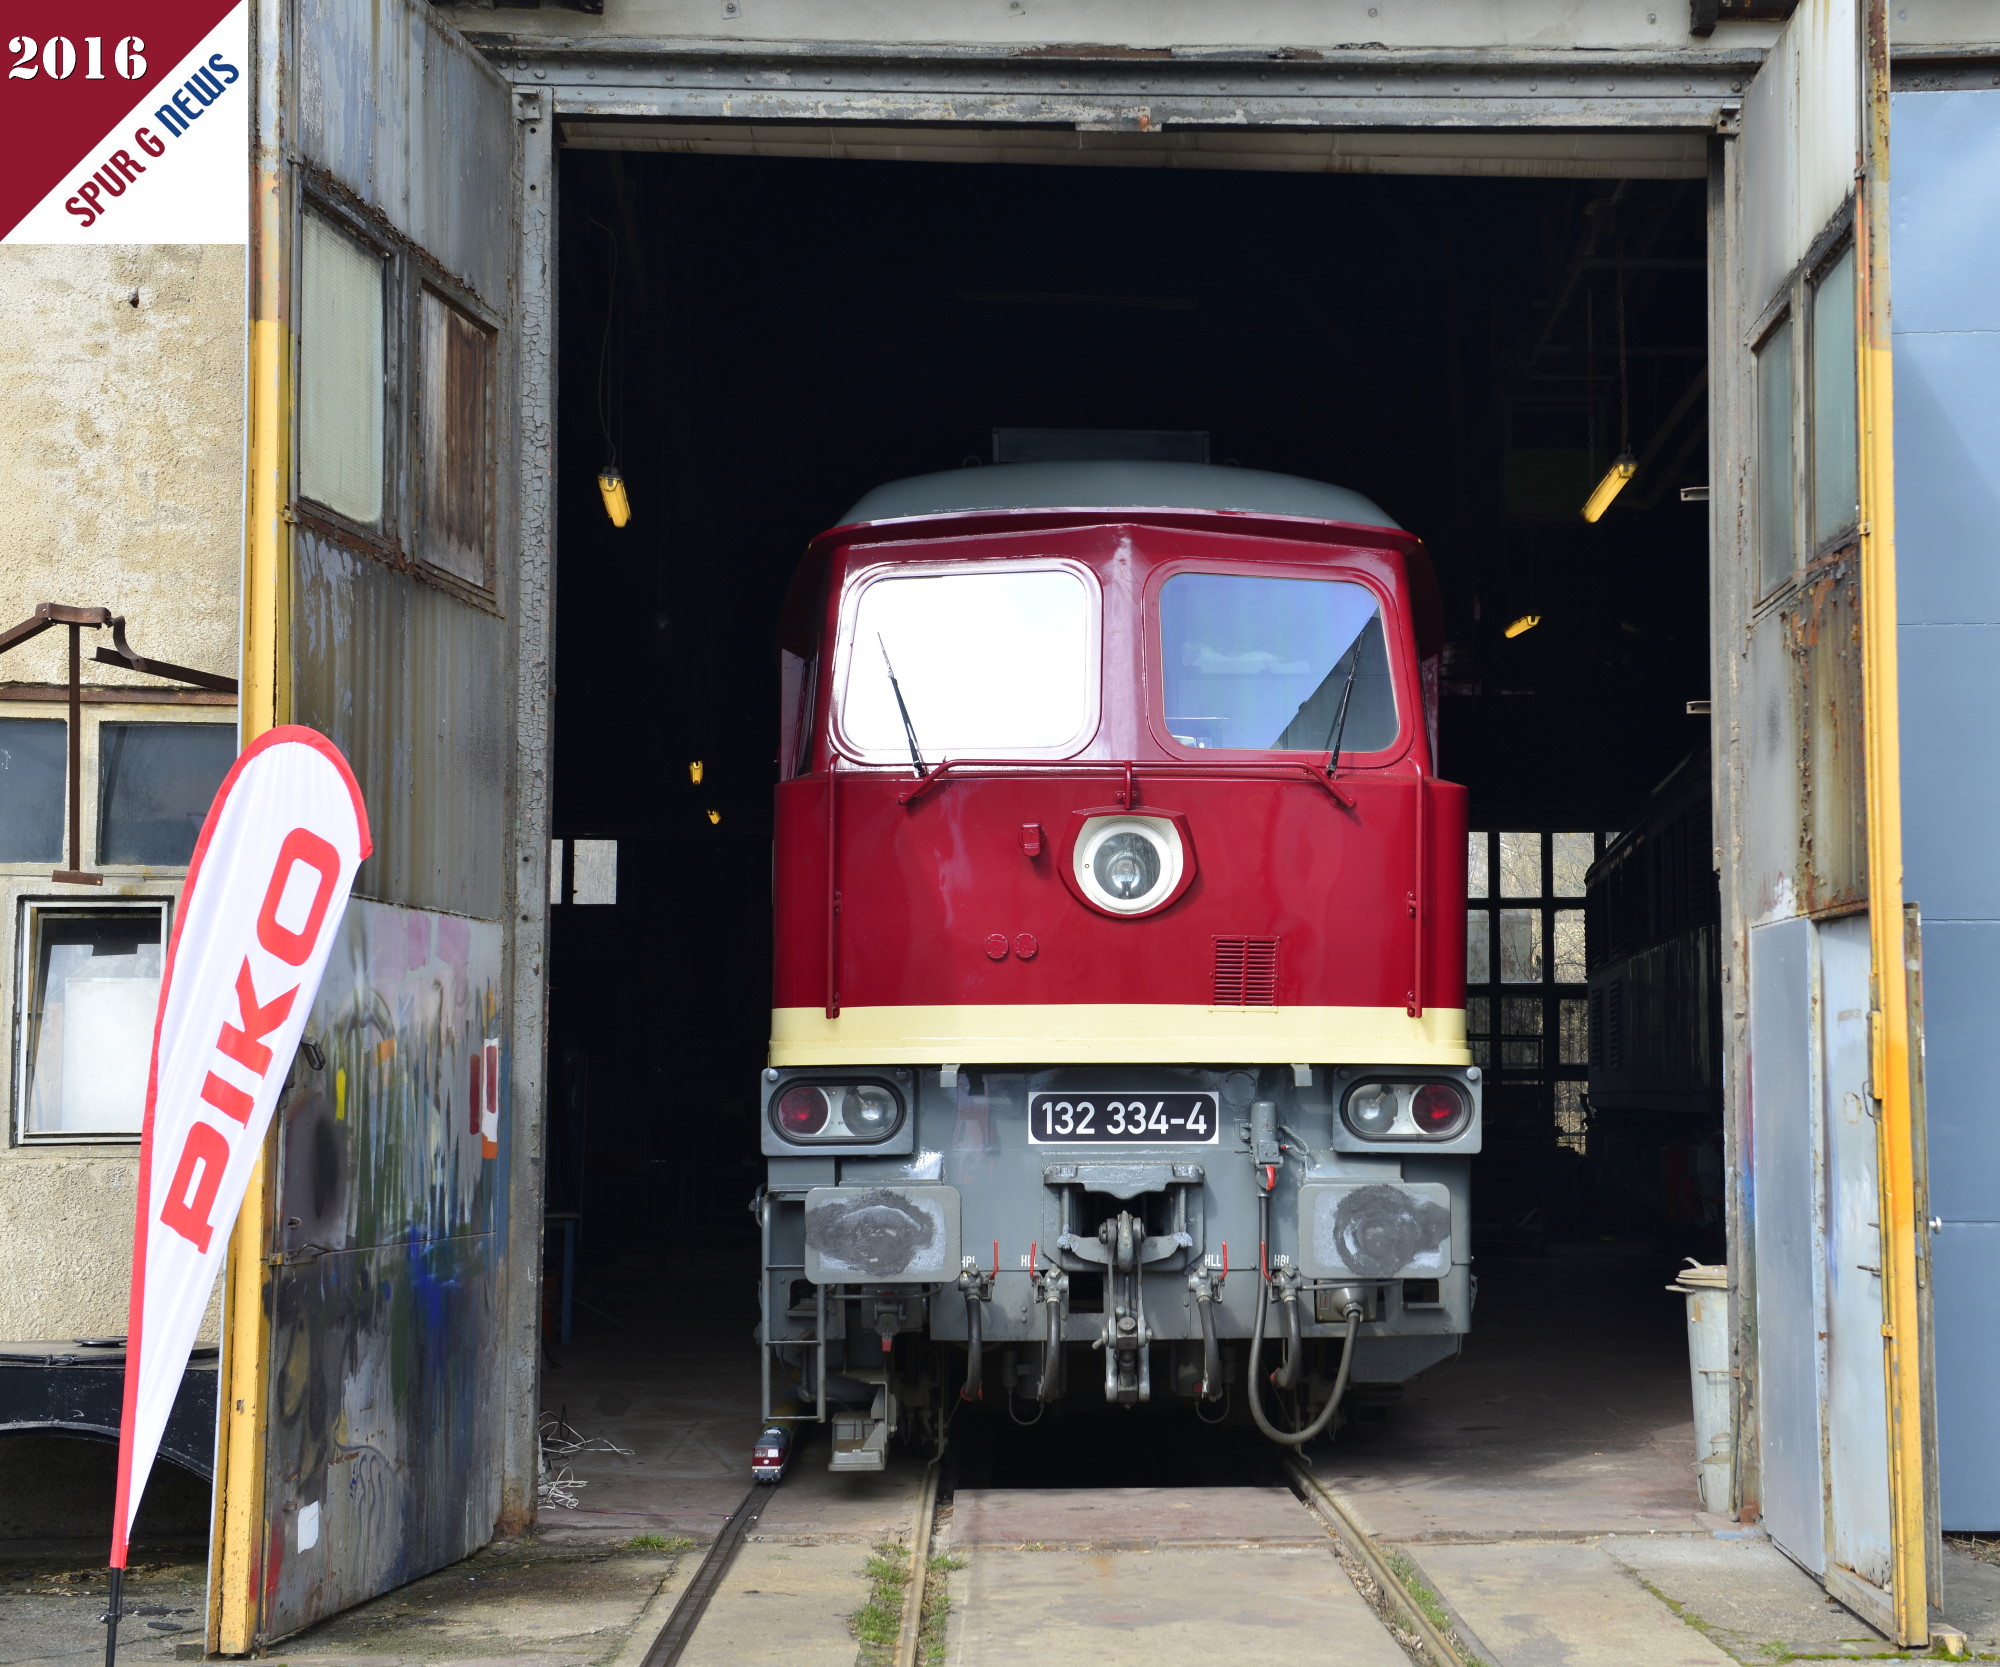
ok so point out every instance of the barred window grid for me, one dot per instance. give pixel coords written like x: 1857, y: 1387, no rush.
x: 1527, y: 1015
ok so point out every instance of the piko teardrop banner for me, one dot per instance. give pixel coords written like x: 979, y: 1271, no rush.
x: 125, y: 122
x: 257, y: 919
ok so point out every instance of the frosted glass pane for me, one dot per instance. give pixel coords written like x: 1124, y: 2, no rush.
x: 452, y: 446
x: 107, y: 1044
x: 1835, y: 418
x: 87, y: 1019
x: 340, y: 373
x: 1572, y: 857
x: 594, y: 877
x: 1774, y: 459
x: 1520, y: 946
x: 1475, y: 865
x: 1478, y: 948
x: 154, y: 786
x: 34, y: 759
x: 1569, y: 947
x: 1520, y: 865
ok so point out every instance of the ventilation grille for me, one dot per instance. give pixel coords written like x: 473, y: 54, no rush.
x: 1246, y: 972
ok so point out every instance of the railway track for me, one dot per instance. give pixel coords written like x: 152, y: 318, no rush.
x: 1053, y: 1574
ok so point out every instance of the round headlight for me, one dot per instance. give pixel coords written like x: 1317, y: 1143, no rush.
x: 1128, y: 864
x: 1438, y: 1110
x: 869, y: 1111
x: 802, y: 1110
x: 1371, y: 1110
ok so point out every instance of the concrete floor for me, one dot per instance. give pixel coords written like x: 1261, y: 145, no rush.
x: 1543, y: 1486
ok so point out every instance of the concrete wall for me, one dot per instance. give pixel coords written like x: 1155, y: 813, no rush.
x: 1945, y: 248
x: 1154, y: 24
x: 121, y: 401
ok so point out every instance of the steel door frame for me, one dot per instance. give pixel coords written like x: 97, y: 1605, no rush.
x: 658, y: 84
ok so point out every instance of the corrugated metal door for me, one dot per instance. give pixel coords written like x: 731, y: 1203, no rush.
x: 363, y: 1442
x: 1828, y: 1259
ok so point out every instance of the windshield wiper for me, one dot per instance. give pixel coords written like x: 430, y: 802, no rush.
x: 909, y: 729
x: 1340, y: 712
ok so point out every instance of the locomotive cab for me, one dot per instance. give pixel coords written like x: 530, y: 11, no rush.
x: 1118, y: 1034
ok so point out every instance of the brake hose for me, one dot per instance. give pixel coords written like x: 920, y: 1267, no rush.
x: 975, y: 1343
x: 1211, y: 1351
x: 1292, y: 1438
x: 1046, y: 1390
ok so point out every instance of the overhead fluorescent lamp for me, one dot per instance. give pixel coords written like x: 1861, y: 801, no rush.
x: 619, y: 507
x: 1611, y: 485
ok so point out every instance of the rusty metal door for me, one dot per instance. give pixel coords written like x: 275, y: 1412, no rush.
x: 371, y: 1390
x: 1828, y: 1253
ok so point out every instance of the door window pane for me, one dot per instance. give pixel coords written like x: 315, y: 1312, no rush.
x: 1265, y: 665
x: 1475, y: 865
x: 1478, y: 952
x: 1574, y: 1020
x: 1571, y: 858
x: 1478, y: 1015
x: 1835, y: 398
x: 341, y: 371
x: 90, y: 986
x: 34, y: 759
x: 1569, y: 946
x: 457, y: 364
x: 1521, y: 1027
x: 1572, y: 1117
x: 1520, y: 865
x: 154, y: 786
x: 990, y: 661
x: 1520, y: 946
x: 1774, y: 459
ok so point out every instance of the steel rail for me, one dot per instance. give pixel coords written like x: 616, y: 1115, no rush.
x: 1320, y: 1499
x: 693, y: 1602
x: 910, y: 1633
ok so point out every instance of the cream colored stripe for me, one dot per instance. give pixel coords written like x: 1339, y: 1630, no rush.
x: 1135, y: 1033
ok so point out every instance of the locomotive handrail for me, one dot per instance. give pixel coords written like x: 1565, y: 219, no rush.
x: 1188, y: 769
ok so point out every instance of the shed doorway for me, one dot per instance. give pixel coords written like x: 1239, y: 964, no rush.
x: 754, y: 342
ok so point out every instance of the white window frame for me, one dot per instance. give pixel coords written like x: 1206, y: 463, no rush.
x: 27, y: 911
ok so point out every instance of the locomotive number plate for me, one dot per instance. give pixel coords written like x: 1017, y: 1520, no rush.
x: 1122, y: 1119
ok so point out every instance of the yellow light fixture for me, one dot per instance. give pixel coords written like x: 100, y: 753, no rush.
x: 694, y: 772
x: 1622, y: 469
x: 616, y: 505
x: 715, y: 818
x: 1527, y: 622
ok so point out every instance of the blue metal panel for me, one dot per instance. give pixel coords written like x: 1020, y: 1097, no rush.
x: 1961, y: 1000
x: 1785, y: 1218
x: 1963, y: 1257
x: 1950, y: 677
x: 1947, y: 472
x: 1945, y: 240
x: 1946, y: 186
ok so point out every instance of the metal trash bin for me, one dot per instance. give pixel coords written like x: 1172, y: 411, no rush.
x: 1706, y: 1288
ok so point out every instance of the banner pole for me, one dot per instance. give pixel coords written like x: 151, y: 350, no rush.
x: 113, y: 1616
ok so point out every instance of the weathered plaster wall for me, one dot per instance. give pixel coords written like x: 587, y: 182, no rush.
x: 121, y: 433
x: 121, y: 474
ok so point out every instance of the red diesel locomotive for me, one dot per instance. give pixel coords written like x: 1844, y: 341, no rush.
x: 1120, y: 964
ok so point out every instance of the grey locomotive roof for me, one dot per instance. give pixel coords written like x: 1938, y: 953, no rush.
x: 1114, y: 485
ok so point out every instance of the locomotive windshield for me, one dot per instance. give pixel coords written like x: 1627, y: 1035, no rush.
x: 991, y: 662
x: 1260, y: 664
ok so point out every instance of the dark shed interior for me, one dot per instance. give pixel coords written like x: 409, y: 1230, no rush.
x: 756, y: 342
